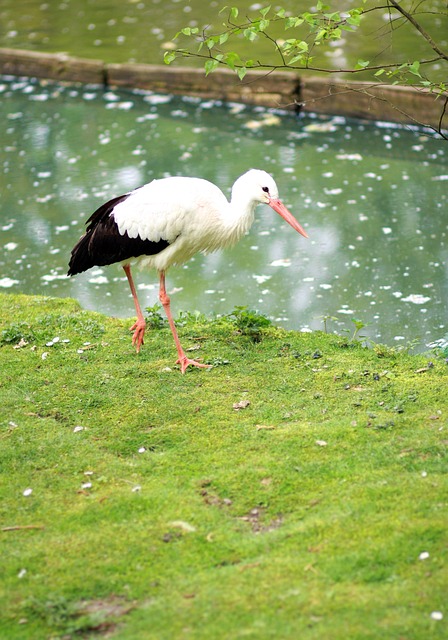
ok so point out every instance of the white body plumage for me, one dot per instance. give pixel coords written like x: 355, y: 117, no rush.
x: 191, y: 214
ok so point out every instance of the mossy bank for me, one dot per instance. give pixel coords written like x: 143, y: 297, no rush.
x: 294, y: 490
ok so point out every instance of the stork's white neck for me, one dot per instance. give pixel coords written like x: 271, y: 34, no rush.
x: 239, y: 215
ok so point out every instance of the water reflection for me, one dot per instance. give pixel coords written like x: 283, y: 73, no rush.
x: 372, y: 198
x: 141, y: 31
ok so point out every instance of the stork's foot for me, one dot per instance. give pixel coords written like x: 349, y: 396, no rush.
x: 139, y: 331
x: 188, y: 362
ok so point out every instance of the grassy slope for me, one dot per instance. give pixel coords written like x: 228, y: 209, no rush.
x: 243, y: 525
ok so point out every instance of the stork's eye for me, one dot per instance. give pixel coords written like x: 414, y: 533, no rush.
x: 265, y: 189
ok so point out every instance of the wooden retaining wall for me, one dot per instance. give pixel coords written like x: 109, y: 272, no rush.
x: 281, y: 89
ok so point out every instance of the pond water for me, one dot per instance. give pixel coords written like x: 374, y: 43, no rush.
x: 371, y: 196
x: 141, y: 30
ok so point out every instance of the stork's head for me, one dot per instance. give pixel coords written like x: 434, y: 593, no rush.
x: 260, y: 187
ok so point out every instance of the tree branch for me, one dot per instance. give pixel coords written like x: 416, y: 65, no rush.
x: 419, y: 28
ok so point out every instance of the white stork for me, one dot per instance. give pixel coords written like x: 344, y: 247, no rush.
x: 167, y: 221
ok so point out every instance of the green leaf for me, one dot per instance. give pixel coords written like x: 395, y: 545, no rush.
x: 241, y: 72
x: 362, y: 64
x: 379, y: 72
x: 189, y: 31
x: 414, y: 68
x: 263, y: 25
x: 336, y: 34
x: 232, y: 59
x: 264, y: 12
x: 298, y: 58
x: 334, y: 17
x: 210, y: 66
x: 234, y: 12
x: 169, y: 57
x: 354, y: 20
x: 250, y: 34
x: 293, y: 21
x: 223, y: 37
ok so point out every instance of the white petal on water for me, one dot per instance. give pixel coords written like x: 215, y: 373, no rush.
x: 326, y: 286
x: 143, y: 287
x: 53, y: 276
x: 157, y: 99
x: 7, y: 282
x: 15, y: 116
x: 99, y: 280
x: 261, y: 279
x: 147, y: 116
x: 10, y: 246
x: 320, y: 127
x: 282, y: 262
x: 348, y: 312
x: 110, y: 96
x: 416, y: 298
x: 386, y: 230
x: 349, y: 156
x: 333, y: 192
x: 123, y: 106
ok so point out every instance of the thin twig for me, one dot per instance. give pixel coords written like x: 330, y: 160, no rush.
x: 419, y: 28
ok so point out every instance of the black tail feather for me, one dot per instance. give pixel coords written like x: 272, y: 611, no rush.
x: 103, y: 244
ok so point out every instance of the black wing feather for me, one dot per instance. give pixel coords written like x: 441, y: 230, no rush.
x: 103, y: 244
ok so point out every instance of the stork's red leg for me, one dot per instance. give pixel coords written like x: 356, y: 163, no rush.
x: 182, y: 359
x: 138, y: 327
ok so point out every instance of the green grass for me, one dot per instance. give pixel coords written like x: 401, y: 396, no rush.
x: 302, y: 515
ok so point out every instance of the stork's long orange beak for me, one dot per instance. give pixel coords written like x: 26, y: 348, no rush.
x: 280, y: 208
